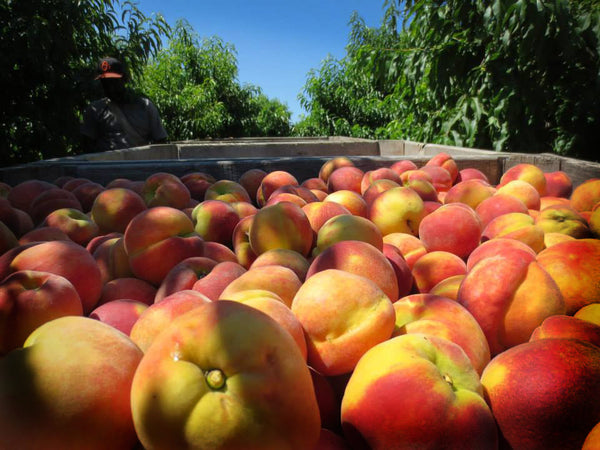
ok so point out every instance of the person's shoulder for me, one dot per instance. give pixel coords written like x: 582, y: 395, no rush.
x: 147, y: 103
x: 98, y: 105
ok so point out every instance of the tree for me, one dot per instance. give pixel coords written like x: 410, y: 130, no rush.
x: 49, y: 49
x: 513, y: 75
x: 194, y: 84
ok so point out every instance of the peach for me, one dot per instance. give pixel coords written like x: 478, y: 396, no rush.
x: 403, y: 165
x: 278, y: 279
x: 499, y: 204
x: 87, y: 193
x: 241, y: 242
x: 470, y: 173
x: 159, y: 316
x: 575, y: 267
x: 321, y: 195
x: 244, y: 209
x: 509, y: 297
x: 563, y: 326
x: 24, y: 223
x: 523, y: 191
x: 352, y: 201
x: 551, y: 239
x: 562, y: 219
x: 446, y: 161
x: 114, y: 208
x: 434, y: 267
x: 592, y: 440
x: 282, y: 225
x: 23, y: 194
x: 227, y: 191
x: 584, y: 196
x: 165, y: 189
x: 81, y: 371
x: 469, y: 192
x: 429, y: 376
x: 359, y: 258
x: 286, y: 258
x: 120, y: 314
x: 517, y: 226
x: 424, y: 188
x: 159, y: 238
x: 383, y: 173
x: 347, y: 227
x: 440, y: 177
x: 299, y: 191
x: 594, y: 221
x: 183, y: 276
x: 214, y: 220
x: 125, y: 183
x: 445, y: 318
x: 271, y: 182
x: 546, y: 201
x: 543, y: 393
x: 379, y: 186
x: 250, y: 180
x: 8, y: 239
x: 221, y: 275
x: 499, y: 246
x: 112, y: 259
x: 410, y: 246
x: 62, y: 258
x: 285, y: 197
x: 453, y: 228
x: 218, y: 252
x: 197, y: 183
x: 345, y: 179
x: 11, y: 217
x: 343, y: 315
x: 96, y: 242
x: 558, y: 184
x: 204, y: 381
x: 448, y: 287
x: 74, y: 223
x: 416, y: 174
x: 526, y: 172
x: 320, y: 212
x: 74, y: 183
x: 397, y: 210
x: 589, y: 313
x: 404, y: 276
x: 315, y: 183
x: 330, y: 165
x: 128, y: 288
x: 4, y: 189
x: 280, y: 313
x: 30, y: 298
x: 51, y: 200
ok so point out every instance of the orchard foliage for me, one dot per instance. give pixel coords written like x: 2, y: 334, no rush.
x: 194, y: 84
x: 49, y: 50
x: 511, y: 75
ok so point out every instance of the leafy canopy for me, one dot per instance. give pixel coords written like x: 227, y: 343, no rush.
x: 194, y: 84
x: 512, y: 75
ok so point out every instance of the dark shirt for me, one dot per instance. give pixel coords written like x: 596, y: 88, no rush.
x: 107, y: 133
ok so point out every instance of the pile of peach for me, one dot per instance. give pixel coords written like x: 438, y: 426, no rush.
x: 403, y: 307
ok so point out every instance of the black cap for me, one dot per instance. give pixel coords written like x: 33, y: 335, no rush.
x: 110, y: 68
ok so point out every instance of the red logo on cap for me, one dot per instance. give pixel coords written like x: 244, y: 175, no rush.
x: 105, y: 66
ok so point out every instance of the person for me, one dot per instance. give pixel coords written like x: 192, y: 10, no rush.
x: 121, y: 119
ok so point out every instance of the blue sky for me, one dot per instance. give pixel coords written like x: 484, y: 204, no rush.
x: 277, y: 41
